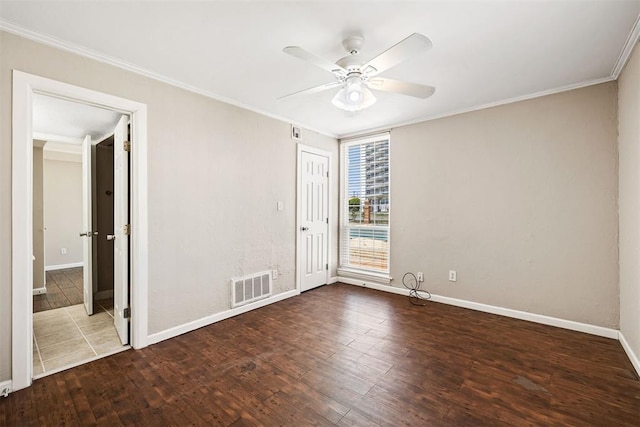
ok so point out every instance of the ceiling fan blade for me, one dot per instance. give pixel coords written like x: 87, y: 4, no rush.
x: 404, y: 88
x: 316, y: 60
x: 414, y: 44
x: 313, y: 90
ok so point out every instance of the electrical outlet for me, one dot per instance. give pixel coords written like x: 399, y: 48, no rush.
x: 420, y: 276
x: 274, y: 274
x: 453, y: 276
x: 63, y: 251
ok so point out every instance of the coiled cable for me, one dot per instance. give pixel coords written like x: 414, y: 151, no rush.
x: 417, y: 296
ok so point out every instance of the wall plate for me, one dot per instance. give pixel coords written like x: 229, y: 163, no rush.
x: 295, y: 133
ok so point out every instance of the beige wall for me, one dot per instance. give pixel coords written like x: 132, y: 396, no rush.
x: 629, y: 200
x: 215, y: 175
x: 5, y: 216
x: 62, y: 211
x: 519, y: 199
x: 38, y: 216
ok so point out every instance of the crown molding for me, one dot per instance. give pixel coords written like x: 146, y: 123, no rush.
x: 627, y: 49
x: 389, y: 127
x: 49, y: 137
x: 18, y: 30
x: 61, y: 147
x: 632, y: 39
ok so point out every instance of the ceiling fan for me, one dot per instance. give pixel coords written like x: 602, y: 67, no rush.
x: 355, y: 79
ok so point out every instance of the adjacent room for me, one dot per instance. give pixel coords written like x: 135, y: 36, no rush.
x: 320, y: 213
x: 73, y: 272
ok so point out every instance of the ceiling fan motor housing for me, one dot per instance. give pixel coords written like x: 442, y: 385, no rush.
x: 353, y: 44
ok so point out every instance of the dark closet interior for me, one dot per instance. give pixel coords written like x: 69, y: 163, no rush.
x: 104, y: 214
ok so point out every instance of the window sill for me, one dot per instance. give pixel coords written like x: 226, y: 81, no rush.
x: 382, y: 278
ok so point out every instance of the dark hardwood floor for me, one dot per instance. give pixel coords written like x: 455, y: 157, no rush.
x: 350, y: 356
x: 64, y: 289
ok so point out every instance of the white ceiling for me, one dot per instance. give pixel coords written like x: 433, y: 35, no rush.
x: 63, y: 121
x: 484, y: 52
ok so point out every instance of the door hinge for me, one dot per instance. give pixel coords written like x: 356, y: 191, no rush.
x: 327, y: 174
x: 127, y: 229
x: 327, y: 220
x: 127, y: 313
x: 127, y: 146
x: 326, y: 266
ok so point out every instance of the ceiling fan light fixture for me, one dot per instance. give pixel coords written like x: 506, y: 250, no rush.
x: 354, y: 97
x: 354, y: 78
x: 354, y: 94
x: 354, y: 90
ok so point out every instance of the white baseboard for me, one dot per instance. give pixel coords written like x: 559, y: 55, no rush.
x: 5, y: 386
x: 373, y: 285
x: 103, y: 295
x: 205, y: 321
x: 40, y: 291
x: 531, y: 317
x: 332, y: 280
x: 516, y: 314
x: 63, y: 266
x: 632, y: 356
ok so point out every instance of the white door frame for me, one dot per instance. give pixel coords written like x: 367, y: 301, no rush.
x: 87, y: 226
x: 299, y: 259
x: 24, y: 86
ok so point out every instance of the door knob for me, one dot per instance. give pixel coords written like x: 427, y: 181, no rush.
x: 305, y: 228
x: 87, y: 234
x: 111, y: 237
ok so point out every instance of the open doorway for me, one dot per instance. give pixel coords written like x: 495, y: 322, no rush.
x: 73, y: 234
x: 25, y: 87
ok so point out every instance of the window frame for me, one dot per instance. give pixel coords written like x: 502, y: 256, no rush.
x: 381, y: 276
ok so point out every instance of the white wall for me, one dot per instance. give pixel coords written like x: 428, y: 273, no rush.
x: 519, y: 199
x: 629, y: 200
x: 216, y: 173
x: 62, y: 211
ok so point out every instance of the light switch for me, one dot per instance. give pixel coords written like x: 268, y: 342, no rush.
x: 280, y: 206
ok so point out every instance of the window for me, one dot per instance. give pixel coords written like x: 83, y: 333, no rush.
x: 365, y: 205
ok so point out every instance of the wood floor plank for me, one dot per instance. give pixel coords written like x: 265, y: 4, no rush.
x: 64, y: 289
x: 357, y: 418
x: 343, y: 355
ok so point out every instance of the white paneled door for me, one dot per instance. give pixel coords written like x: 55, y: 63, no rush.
x: 121, y: 229
x: 314, y: 220
x: 87, y: 225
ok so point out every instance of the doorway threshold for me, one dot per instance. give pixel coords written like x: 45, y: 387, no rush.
x: 81, y: 362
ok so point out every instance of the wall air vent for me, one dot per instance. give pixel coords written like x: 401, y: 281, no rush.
x: 250, y: 288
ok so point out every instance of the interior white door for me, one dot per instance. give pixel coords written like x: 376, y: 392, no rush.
x: 314, y: 220
x: 87, y: 232
x: 120, y: 229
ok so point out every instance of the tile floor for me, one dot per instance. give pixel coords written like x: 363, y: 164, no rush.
x: 67, y: 336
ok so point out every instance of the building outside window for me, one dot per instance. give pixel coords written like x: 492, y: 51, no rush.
x: 365, y: 205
